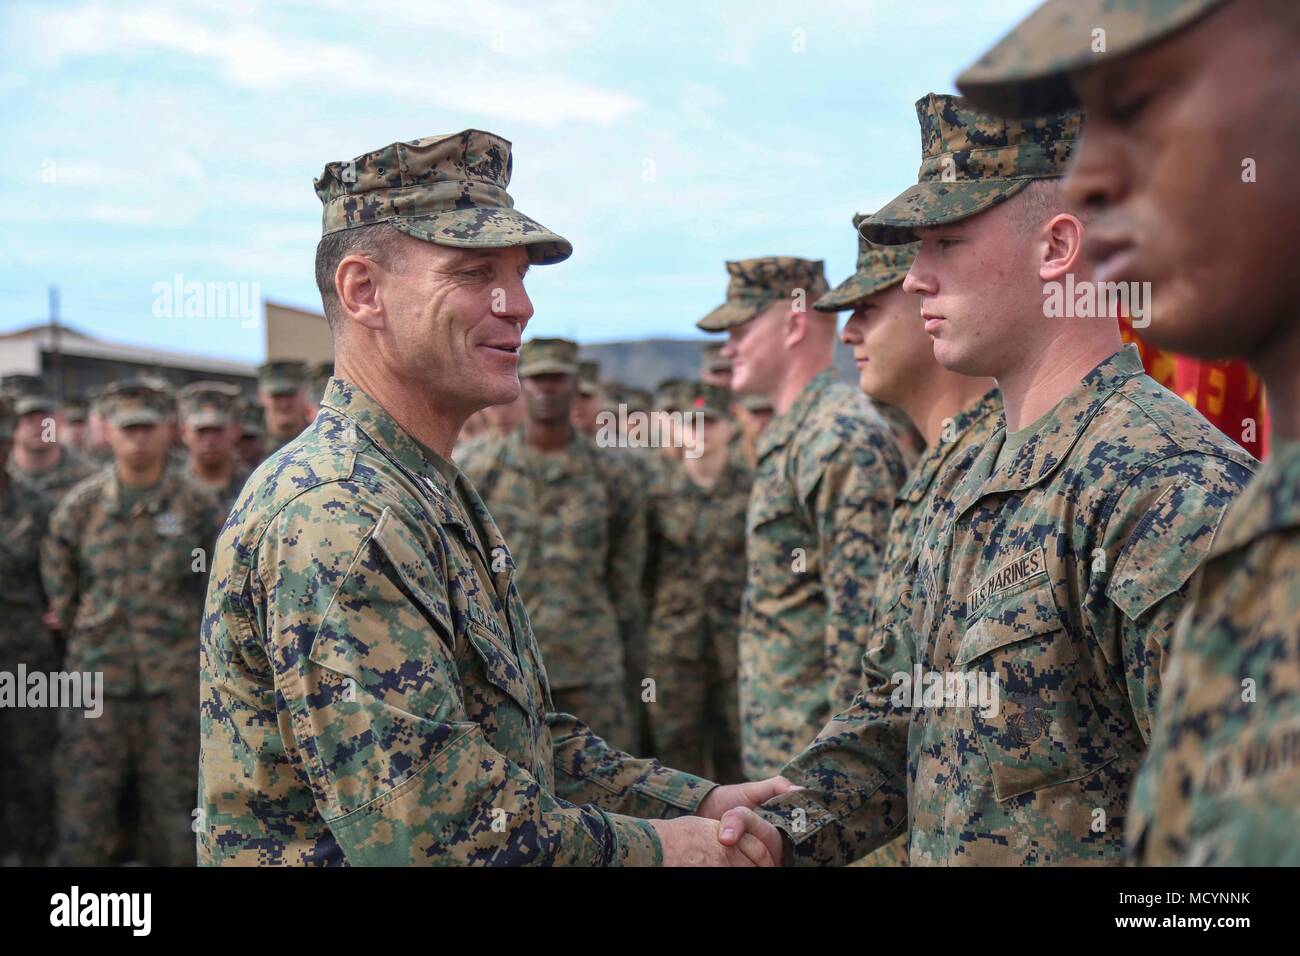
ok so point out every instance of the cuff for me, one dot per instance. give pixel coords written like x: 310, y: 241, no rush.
x: 635, y: 842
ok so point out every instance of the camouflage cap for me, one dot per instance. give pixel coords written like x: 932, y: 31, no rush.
x: 1027, y: 71
x: 7, y: 418
x: 27, y: 393
x: 712, y: 359
x: 282, y: 377
x: 970, y: 162
x: 672, y: 394
x: 756, y: 283
x: 134, y: 401
x: 711, y: 400
x: 74, y: 409
x: 208, y: 404
x: 251, y: 418
x: 588, y: 377
x: 449, y: 190
x: 879, y: 268
x: 548, y: 357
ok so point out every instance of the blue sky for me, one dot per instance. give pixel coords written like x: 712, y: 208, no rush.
x: 148, y: 140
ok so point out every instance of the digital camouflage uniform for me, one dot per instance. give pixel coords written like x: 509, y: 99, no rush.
x: 1221, y: 783
x: 213, y: 405
x: 284, y: 377
x: 827, y: 473
x: 695, y: 572
x: 27, y: 734
x: 575, y: 522
x: 27, y: 394
x: 1059, y: 574
x: 372, y: 692
x: 128, y: 585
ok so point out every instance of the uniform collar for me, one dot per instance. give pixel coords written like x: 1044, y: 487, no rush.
x: 519, y: 456
x: 932, y: 462
x: 782, y: 428
x: 1043, y: 453
x: 1270, y: 503
x: 381, y: 428
x: 153, y: 499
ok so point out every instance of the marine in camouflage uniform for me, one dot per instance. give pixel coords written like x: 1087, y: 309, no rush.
x: 695, y: 578
x: 1221, y: 784
x: 575, y: 520
x: 211, y: 405
x: 125, y: 569
x: 282, y: 383
x: 824, y: 484
x: 372, y: 692
x: 929, y: 483
x: 28, y: 396
x: 27, y: 734
x: 1057, y: 568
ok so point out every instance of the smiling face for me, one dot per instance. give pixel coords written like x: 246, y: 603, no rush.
x: 890, y: 347
x: 981, y: 296
x: 1172, y: 132
x: 454, y: 323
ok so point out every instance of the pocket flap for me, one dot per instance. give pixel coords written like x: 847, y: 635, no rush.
x: 1019, y: 617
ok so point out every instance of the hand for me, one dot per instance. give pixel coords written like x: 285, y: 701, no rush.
x: 694, y: 841
x: 51, y: 620
x: 751, y: 795
x: 741, y: 825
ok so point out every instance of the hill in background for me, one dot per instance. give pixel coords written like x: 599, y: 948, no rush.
x: 646, y: 363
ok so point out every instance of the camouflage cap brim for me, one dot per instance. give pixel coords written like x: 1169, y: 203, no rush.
x: 731, y: 314
x: 852, y: 291
x: 1027, y: 71
x: 936, y: 204
x: 26, y: 404
x: 126, y: 417
x: 546, y: 367
x: 207, y: 418
x: 588, y: 389
x: 282, y: 388
x: 488, y: 228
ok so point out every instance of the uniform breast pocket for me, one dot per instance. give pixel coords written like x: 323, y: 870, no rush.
x: 500, y: 666
x: 770, y: 501
x: 1044, y: 728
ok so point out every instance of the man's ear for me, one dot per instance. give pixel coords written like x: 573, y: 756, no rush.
x: 357, y: 285
x: 796, y: 326
x: 1061, y: 247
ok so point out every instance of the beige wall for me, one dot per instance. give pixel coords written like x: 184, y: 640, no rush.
x: 295, y: 334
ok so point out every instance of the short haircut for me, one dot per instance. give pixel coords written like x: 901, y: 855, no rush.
x: 380, y: 242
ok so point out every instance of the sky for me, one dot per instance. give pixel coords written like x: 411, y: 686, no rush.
x: 151, y: 143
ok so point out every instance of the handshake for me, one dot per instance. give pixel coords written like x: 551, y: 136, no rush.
x: 726, y: 831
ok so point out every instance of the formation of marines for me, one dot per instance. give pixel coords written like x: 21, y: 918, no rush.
x: 1004, y: 600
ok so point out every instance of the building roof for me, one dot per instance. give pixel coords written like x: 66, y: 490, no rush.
x: 72, y: 341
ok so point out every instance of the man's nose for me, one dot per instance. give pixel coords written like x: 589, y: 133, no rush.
x: 1099, y: 175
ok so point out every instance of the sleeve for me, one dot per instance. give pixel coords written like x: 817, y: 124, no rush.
x: 588, y: 770
x: 370, y: 702
x: 59, y: 560
x: 854, y: 774
x: 1158, y: 535
x: 854, y: 500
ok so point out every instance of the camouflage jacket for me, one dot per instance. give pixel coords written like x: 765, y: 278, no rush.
x: 1221, y: 785
x: 575, y: 522
x: 128, y: 584
x: 695, y: 573
x: 53, y: 482
x: 831, y: 769
x: 228, y: 493
x: 818, y: 516
x: 1060, y: 576
x: 372, y: 692
x: 24, y: 514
